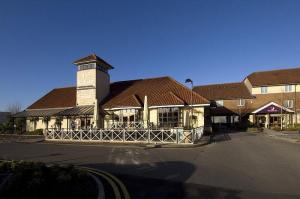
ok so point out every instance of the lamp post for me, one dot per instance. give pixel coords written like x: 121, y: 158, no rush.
x: 192, y: 84
x: 281, y: 111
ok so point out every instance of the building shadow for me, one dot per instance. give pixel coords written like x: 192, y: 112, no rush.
x: 163, y: 180
x: 220, y: 136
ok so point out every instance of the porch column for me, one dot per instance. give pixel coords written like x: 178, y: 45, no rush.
x: 228, y: 121
x: 254, y: 119
x: 67, y: 123
x: 294, y: 118
x: 14, y: 124
x: 85, y: 122
x: 267, y: 124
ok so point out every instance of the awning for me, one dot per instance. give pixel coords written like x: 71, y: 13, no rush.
x: 79, y: 110
x: 75, y: 111
x: 38, y: 113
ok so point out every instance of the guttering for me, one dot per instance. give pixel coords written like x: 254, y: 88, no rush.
x: 199, y: 105
x: 151, y: 107
x: 168, y: 106
x: 121, y: 108
x: 34, y: 109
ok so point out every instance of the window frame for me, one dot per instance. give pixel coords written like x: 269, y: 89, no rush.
x: 288, y: 103
x: 241, y: 104
x: 290, y: 88
x: 220, y: 103
x: 168, y: 117
x: 263, y: 89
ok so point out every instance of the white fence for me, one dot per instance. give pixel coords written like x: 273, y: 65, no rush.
x: 178, y: 136
x: 124, y: 125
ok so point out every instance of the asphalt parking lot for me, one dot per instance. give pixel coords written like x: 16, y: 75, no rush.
x: 239, y: 165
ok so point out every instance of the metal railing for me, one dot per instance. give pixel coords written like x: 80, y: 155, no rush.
x: 177, y: 136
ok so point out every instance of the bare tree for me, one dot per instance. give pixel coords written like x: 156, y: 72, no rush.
x: 14, y: 108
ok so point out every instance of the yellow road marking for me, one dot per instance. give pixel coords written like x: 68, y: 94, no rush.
x: 123, y: 188
x: 111, y: 183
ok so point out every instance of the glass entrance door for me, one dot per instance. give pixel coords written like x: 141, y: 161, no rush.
x: 275, y: 121
x: 261, y: 120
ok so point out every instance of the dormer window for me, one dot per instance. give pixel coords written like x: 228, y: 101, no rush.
x: 288, y: 103
x: 241, y: 102
x: 220, y: 103
x: 288, y: 88
x: 263, y: 89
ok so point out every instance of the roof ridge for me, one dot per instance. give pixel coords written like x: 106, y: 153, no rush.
x: 274, y: 70
x: 218, y: 84
x: 176, y: 96
x: 136, y: 99
x: 141, y: 79
x: 183, y: 86
x: 64, y: 87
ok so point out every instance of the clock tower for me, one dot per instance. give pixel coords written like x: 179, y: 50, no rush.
x: 93, y: 81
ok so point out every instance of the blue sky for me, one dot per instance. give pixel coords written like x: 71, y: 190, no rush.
x: 208, y: 41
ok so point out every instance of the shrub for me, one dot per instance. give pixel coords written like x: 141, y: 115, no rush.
x: 254, y: 129
x: 6, y: 127
x: 36, y: 132
x: 290, y: 127
x: 37, y: 180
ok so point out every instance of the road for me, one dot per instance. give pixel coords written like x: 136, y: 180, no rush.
x: 243, y: 165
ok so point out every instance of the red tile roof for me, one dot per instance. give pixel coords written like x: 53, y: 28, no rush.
x: 160, y: 91
x: 224, y: 91
x: 275, y: 77
x: 93, y: 58
x: 57, y: 98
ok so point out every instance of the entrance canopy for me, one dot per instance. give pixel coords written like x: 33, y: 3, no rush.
x: 272, y: 108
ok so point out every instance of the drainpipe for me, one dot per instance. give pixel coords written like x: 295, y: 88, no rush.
x: 192, y: 105
x: 281, y: 121
x: 295, y: 109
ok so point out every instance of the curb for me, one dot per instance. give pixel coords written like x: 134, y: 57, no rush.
x: 295, y: 141
x: 130, y: 145
x: 21, y: 138
x: 175, y: 146
x: 30, y: 140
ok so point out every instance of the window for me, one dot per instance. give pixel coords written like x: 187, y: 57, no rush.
x: 85, y: 123
x: 288, y: 88
x: 86, y: 66
x: 241, y: 102
x: 288, y: 103
x: 220, y: 103
x: 168, y: 117
x: 219, y: 119
x: 263, y: 89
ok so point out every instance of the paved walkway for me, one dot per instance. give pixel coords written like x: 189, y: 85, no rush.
x: 239, y: 165
x: 290, y: 136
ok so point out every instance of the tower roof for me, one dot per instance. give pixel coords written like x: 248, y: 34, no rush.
x: 92, y: 58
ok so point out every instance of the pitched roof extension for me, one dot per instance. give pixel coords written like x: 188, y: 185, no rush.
x: 275, y: 77
x: 57, y: 98
x: 161, y: 91
x: 226, y: 91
